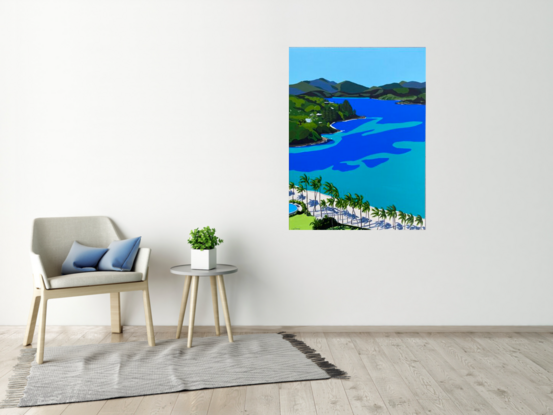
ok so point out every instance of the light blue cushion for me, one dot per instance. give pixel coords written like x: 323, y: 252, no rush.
x: 82, y: 258
x: 120, y: 255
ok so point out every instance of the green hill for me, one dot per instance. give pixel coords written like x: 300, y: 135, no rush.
x: 305, y: 87
x: 310, y: 117
x: 350, y: 87
x: 411, y: 92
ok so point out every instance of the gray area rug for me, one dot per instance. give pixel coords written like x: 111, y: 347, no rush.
x: 106, y: 371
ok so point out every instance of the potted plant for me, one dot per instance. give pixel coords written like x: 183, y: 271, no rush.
x: 203, y: 243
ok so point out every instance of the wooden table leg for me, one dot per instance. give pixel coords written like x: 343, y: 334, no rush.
x: 183, y: 304
x: 223, y: 293
x: 193, y: 298
x: 215, y: 304
x: 148, y: 314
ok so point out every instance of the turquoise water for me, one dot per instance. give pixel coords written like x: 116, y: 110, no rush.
x: 381, y: 157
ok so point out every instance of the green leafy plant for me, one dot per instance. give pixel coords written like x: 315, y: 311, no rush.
x: 325, y: 223
x: 204, y: 238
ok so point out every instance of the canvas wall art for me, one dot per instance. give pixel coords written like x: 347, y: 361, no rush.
x: 357, y: 139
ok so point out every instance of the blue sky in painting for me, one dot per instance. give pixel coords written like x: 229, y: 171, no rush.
x: 365, y: 66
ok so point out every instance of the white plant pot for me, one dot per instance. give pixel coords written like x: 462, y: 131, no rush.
x: 206, y: 259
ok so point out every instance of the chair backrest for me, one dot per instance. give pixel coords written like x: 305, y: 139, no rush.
x: 53, y: 237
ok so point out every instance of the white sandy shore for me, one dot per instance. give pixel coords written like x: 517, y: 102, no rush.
x: 359, y: 220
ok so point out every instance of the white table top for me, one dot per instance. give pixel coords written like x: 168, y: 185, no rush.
x: 221, y: 269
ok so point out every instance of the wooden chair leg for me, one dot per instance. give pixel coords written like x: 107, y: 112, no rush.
x: 31, y: 324
x: 42, y: 330
x: 215, y: 304
x: 115, y: 306
x: 193, y: 298
x: 223, y: 293
x: 149, y: 321
x: 183, y: 304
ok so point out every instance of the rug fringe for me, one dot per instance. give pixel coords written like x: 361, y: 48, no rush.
x: 315, y: 357
x: 18, y: 381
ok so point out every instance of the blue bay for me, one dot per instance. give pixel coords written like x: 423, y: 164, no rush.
x: 381, y: 157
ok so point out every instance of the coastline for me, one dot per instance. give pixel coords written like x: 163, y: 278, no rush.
x: 349, y: 119
x: 356, y: 221
x: 325, y: 140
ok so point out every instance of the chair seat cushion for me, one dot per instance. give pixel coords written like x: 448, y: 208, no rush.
x: 93, y: 278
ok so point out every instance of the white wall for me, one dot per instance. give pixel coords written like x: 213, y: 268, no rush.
x: 169, y: 115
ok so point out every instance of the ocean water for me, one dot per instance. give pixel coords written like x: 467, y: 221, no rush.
x: 381, y: 157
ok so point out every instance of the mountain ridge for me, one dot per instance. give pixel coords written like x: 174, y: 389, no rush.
x: 405, y: 92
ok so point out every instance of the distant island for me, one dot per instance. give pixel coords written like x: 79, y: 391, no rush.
x: 311, y: 114
x: 405, y: 92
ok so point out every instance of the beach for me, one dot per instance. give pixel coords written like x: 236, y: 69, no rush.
x: 346, y: 217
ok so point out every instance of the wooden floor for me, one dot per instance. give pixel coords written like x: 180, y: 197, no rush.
x: 391, y: 373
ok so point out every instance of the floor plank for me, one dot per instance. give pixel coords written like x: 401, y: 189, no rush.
x: 364, y: 398
x: 228, y: 401
x: 492, y: 387
x: 14, y: 411
x: 157, y: 404
x: 391, y: 373
x: 440, y: 406
x: 419, y: 381
x: 193, y: 402
x: 84, y: 408
x: 465, y: 397
x: 263, y: 399
x: 296, y: 398
x: 504, y: 367
x: 329, y: 395
x: 121, y: 406
x: 346, y: 357
x: 539, y: 377
x: 394, y: 391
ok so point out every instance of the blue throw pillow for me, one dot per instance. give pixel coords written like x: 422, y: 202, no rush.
x: 82, y: 258
x: 120, y: 255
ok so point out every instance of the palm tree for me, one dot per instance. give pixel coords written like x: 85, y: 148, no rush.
x: 410, y: 220
x: 341, y: 204
x: 402, y: 218
x: 335, y: 192
x: 327, y: 188
x: 376, y: 213
x: 366, y: 208
x: 419, y: 221
x: 304, y: 179
x: 323, y: 206
x: 391, y: 212
x: 292, y: 187
x: 316, y: 185
x: 383, y: 217
x: 345, y: 210
x: 358, y: 203
x: 330, y: 202
x: 349, y: 200
x: 300, y: 189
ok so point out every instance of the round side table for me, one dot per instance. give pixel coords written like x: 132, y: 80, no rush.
x: 193, y: 277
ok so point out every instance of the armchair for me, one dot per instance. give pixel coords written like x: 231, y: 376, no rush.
x: 51, y: 241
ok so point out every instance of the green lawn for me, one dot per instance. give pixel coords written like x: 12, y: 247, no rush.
x: 301, y: 222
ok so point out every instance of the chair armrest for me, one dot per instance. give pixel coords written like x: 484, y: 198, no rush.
x: 39, y: 274
x: 142, y: 261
